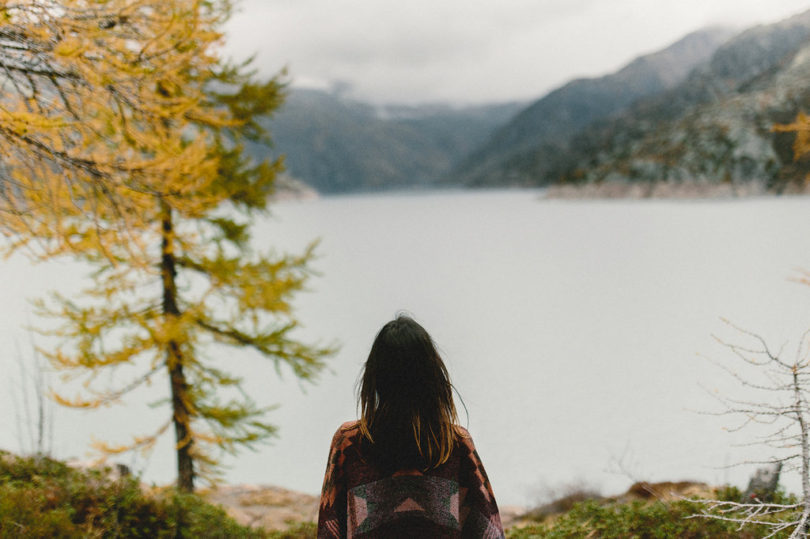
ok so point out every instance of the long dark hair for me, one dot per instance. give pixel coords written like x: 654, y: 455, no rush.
x: 407, y: 412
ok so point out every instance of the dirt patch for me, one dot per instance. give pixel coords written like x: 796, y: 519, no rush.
x: 259, y: 506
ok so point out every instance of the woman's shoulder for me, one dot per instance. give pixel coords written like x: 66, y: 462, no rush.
x: 464, y: 439
x: 349, y: 425
x: 347, y: 432
x: 461, y: 432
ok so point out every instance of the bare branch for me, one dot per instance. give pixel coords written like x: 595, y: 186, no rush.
x: 785, y: 383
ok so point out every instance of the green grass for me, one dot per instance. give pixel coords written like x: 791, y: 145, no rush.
x: 644, y: 520
x: 303, y: 530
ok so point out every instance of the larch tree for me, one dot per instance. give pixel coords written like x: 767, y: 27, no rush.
x: 123, y: 146
x: 78, y: 79
x: 71, y: 77
x: 801, y: 146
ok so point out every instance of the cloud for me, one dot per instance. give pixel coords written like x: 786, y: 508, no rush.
x: 473, y: 50
x: 357, y: 33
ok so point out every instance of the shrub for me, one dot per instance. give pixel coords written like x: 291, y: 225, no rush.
x: 637, y: 519
x: 44, y: 498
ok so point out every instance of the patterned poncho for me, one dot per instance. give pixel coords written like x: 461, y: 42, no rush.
x: 360, y: 501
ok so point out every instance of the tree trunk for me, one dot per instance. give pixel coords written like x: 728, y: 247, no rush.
x: 174, y: 358
x: 801, y: 528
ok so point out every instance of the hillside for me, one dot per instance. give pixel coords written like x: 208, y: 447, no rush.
x: 338, y: 145
x: 716, y: 126
x: 523, y: 151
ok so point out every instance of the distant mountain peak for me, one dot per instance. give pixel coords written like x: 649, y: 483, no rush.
x: 551, y: 120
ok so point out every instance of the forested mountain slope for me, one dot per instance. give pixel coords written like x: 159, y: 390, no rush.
x: 522, y: 151
x: 715, y: 126
x: 338, y: 145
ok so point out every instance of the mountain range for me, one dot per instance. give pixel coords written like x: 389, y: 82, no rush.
x: 702, y: 109
x: 716, y: 126
x: 526, y: 150
x: 336, y: 145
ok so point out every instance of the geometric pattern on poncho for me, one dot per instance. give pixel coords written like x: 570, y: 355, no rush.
x: 344, y: 508
x: 390, y: 499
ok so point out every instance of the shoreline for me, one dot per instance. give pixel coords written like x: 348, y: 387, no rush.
x: 665, y: 190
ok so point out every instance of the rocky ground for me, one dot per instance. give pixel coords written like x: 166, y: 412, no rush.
x: 275, y: 508
x: 272, y: 508
x: 290, y: 188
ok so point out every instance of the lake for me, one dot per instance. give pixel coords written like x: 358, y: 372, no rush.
x: 578, y: 333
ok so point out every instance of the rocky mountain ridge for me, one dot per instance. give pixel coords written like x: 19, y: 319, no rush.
x: 717, y: 126
x: 525, y: 147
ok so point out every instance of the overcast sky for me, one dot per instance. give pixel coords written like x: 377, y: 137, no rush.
x: 469, y: 51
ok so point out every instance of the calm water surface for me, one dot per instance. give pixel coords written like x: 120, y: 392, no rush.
x: 579, y: 334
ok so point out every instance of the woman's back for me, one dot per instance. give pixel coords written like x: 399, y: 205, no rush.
x: 406, y: 469
x: 363, y: 500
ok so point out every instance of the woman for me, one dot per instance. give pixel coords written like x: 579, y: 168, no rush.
x: 406, y: 469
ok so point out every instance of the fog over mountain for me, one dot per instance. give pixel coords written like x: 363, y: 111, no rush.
x: 461, y: 52
x: 338, y: 145
x: 702, y: 109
